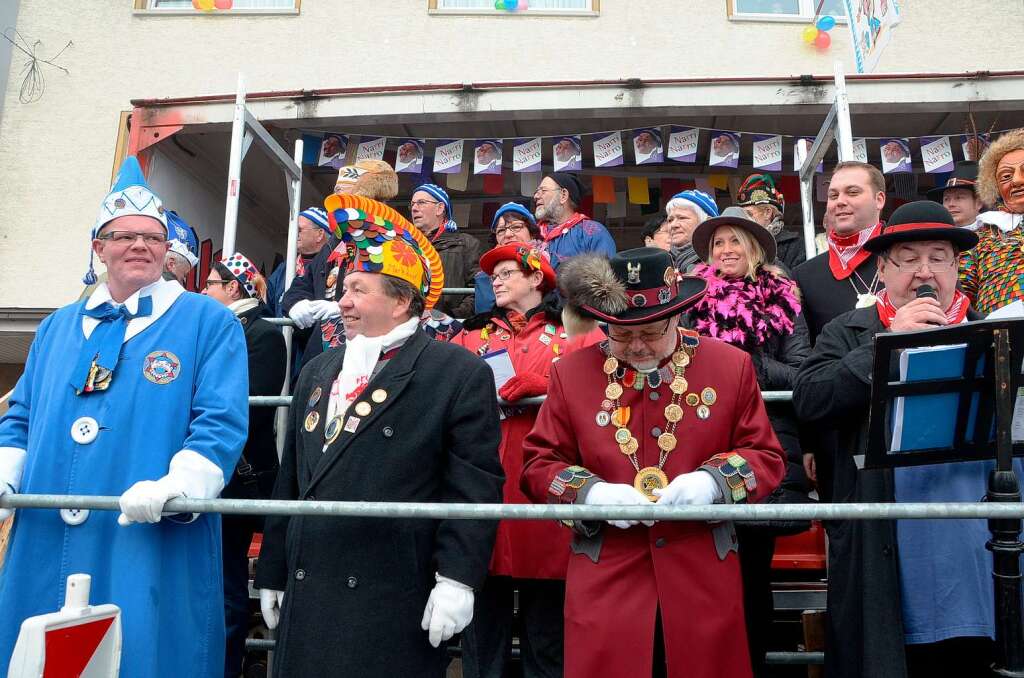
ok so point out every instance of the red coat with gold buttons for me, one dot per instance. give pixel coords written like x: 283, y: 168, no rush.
x: 524, y: 548
x: 611, y: 605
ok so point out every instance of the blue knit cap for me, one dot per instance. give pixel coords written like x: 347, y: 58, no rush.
x: 318, y: 216
x: 183, y: 238
x: 514, y: 208
x: 440, y: 195
x: 700, y: 199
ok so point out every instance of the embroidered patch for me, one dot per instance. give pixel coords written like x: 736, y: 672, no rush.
x: 161, y: 367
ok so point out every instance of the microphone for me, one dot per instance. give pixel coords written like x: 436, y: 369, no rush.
x: 927, y: 292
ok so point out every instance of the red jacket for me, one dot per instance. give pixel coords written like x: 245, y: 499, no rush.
x: 524, y: 548
x: 611, y: 605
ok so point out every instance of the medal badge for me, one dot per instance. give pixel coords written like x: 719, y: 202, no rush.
x: 161, y: 367
x: 312, y: 419
x: 362, y: 408
x: 708, y: 396
x: 351, y: 424
x: 379, y: 396
x: 333, y: 430
x: 314, y: 398
x: 649, y: 479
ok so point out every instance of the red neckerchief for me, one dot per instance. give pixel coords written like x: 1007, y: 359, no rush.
x: 955, y: 314
x: 300, y: 266
x: 846, y: 252
x: 551, y: 232
x: 516, y: 321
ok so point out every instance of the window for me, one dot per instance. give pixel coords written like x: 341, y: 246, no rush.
x: 239, y: 5
x: 785, y: 10
x: 577, y: 7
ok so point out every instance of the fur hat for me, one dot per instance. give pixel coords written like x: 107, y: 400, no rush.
x: 374, y: 179
x: 988, y: 189
x: 634, y: 287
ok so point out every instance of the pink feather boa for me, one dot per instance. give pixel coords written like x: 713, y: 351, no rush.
x: 745, y: 313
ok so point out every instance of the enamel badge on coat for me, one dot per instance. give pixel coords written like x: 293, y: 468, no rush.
x: 161, y: 367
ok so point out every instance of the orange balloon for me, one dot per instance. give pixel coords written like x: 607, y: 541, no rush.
x: 223, y: 4
x: 822, y: 41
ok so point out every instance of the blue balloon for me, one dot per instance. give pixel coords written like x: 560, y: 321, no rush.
x: 511, y: 5
x: 826, y: 23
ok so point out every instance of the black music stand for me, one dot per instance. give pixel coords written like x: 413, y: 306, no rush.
x: 987, y: 390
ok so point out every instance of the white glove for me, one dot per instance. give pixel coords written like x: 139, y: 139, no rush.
x: 5, y: 489
x: 271, y: 602
x: 323, y: 309
x: 302, y: 314
x: 12, y: 466
x: 190, y: 474
x: 697, y: 488
x: 449, y: 609
x: 617, y: 494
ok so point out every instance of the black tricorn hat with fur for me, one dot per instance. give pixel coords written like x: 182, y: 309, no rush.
x: 632, y: 288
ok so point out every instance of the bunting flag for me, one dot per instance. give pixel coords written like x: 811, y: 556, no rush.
x: 936, y: 154
x: 647, y: 147
x: 973, y: 146
x: 724, y: 150
x: 895, y: 154
x: 603, y: 189
x: 448, y: 156
x: 494, y: 184
x: 526, y: 155
x: 682, y: 144
x: 860, y: 150
x: 796, y: 158
x: 638, y: 190
x: 487, y: 156
x: 608, y: 150
x: 567, y: 153
x: 767, y: 152
x: 371, y: 148
x: 332, y: 151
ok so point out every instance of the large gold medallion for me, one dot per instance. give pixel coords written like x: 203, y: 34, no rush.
x: 681, y: 358
x: 648, y: 479
x: 678, y: 385
x: 629, y: 448
x: 610, y: 365
x: 673, y: 413
x: 613, y: 391
x: 622, y: 436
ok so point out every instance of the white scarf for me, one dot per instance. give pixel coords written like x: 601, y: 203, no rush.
x: 361, y: 355
x: 240, y: 306
x: 1004, y: 221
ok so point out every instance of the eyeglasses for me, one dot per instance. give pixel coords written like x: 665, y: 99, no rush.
x: 646, y: 337
x: 421, y: 203
x: 504, y: 275
x: 548, y: 190
x: 511, y: 228
x: 915, y: 267
x: 217, y: 282
x: 129, y: 237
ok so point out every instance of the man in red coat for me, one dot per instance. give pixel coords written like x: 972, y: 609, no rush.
x: 655, y: 413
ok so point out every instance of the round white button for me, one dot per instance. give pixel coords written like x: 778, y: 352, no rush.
x: 74, y: 516
x: 84, y: 430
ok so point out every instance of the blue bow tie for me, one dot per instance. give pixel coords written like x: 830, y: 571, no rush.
x: 104, y: 344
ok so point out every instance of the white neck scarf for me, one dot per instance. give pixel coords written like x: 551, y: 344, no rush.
x: 361, y: 355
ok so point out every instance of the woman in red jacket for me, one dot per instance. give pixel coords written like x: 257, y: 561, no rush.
x: 529, y: 556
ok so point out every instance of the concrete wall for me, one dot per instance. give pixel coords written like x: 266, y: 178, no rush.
x: 56, y: 155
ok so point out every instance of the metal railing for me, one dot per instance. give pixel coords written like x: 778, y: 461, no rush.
x: 286, y: 401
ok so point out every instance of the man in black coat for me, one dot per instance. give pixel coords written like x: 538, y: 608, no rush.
x: 843, y: 278
x: 236, y: 283
x: 388, y: 416
x: 869, y: 632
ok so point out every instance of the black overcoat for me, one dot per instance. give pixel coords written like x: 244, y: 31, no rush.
x: 312, y: 285
x: 864, y: 636
x: 355, y: 588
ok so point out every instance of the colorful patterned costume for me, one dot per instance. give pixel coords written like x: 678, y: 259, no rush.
x: 992, y: 274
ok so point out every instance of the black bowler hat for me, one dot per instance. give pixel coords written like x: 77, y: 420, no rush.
x: 964, y: 175
x: 632, y: 288
x: 919, y: 221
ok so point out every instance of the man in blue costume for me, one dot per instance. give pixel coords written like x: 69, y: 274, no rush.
x: 566, y: 231
x: 140, y: 391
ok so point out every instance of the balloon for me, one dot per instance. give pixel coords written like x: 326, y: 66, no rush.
x: 206, y: 5
x: 822, y: 41
x: 195, y: 5
x: 499, y: 4
x: 810, y: 34
x: 524, y: 5
x: 826, y: 23
x: 223, y: 4
x: 511, y: 5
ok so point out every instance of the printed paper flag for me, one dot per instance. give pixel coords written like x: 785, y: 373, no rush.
x: 567, y: 153
x: 860, y: 150
x: 608, y: 150
x: 936, y: 154
x: 409, y: 156
x: 796, y: 161
x: 332, y: 151
x: 725, y: 149
x: 448, y: 156
x: 895, y: 155
x: 487, y: 156
x: 682, y: 143
x: 526, y: 155
x: 768, y: 152
x: 371, y: 148
x: 603, y: 189
x: 647, y: 147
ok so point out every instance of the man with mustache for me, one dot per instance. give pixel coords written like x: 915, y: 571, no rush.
x: 565, y: 230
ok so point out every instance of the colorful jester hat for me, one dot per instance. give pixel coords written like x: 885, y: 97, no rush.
x: 380, y: 240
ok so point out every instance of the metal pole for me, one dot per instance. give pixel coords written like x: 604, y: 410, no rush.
x: 291, y: 255
x: 234, y: 172
x: 436, y: 511
x: 844, y: 132
x: 806, y: 198
x: 1005, y: 545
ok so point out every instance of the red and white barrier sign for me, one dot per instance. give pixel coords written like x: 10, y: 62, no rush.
x: 80, y: 641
